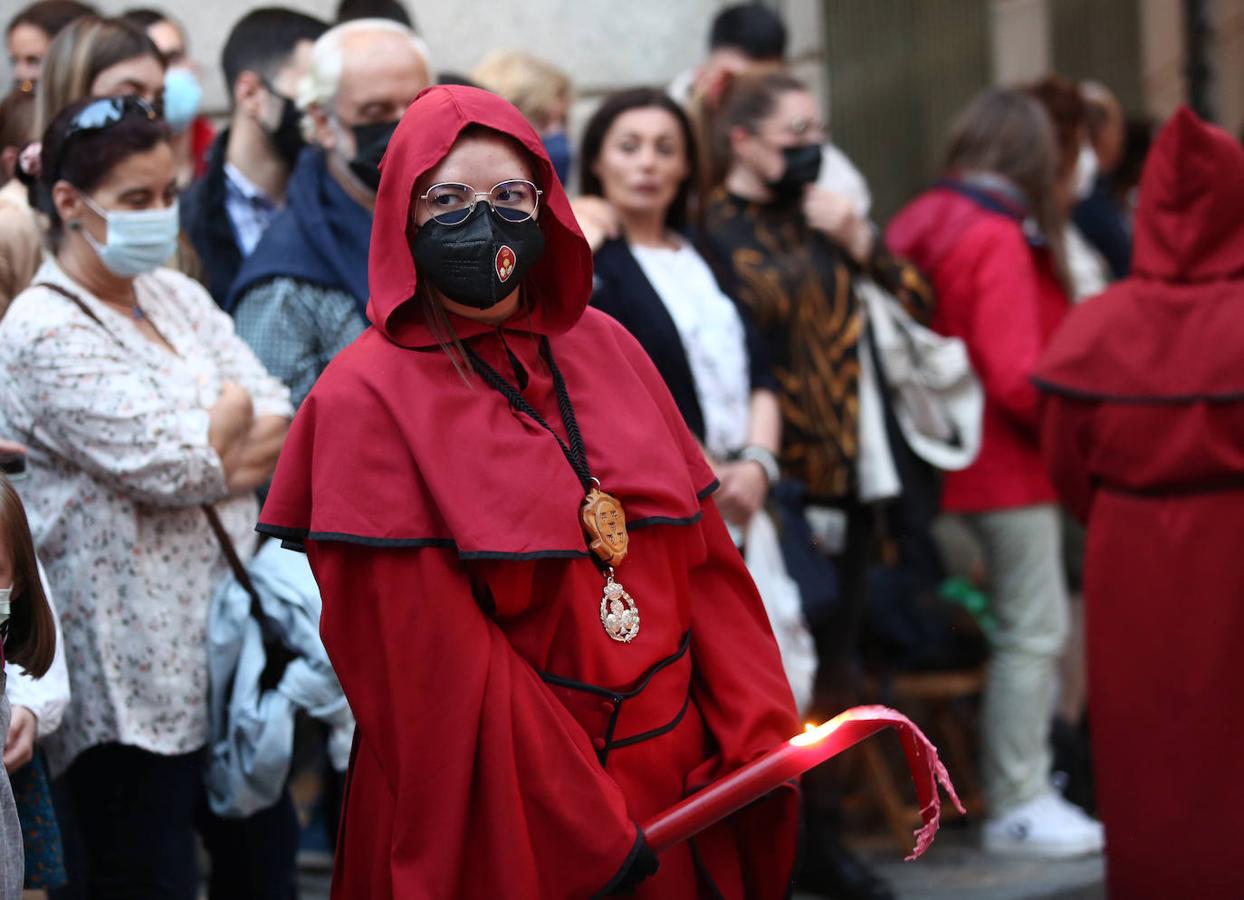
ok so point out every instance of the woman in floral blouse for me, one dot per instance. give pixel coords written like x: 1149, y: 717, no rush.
x: 139, y: 406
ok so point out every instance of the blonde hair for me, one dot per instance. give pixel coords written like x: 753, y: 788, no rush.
x: 536, y: 87
x: 76, y: 56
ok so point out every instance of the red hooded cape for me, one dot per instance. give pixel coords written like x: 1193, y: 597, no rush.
x: 506, y: 745
x: 1143, y: 431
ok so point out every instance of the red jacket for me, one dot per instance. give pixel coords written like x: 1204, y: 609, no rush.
x: 1143, y: 428
x: 999, y: 294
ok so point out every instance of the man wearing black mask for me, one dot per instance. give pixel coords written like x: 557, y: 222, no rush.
x: 302, y: 295
x: 225, y: 213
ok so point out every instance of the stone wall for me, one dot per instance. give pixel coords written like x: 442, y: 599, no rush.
x: 602, y: 44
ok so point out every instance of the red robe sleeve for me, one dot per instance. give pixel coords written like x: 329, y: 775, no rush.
x: 742, y: 693
x: 495, y: 789
x: 1065, y: 426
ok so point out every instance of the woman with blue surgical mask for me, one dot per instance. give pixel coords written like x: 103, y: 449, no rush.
x: 183, y: 93
x: 140, y: 406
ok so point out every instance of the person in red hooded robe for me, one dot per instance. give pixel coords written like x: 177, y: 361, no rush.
x: 517, y: 712
x: 1143, y: 432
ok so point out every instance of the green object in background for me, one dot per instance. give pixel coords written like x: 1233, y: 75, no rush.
x: 961, y: 592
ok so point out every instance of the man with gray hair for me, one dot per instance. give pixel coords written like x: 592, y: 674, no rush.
x: 302, y: 295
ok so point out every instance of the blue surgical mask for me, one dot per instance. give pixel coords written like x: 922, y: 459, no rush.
x: 557, y: 146
x: 138, y: 241
x: 183, y: 95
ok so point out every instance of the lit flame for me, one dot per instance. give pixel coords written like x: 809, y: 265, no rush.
x: 813, y: 734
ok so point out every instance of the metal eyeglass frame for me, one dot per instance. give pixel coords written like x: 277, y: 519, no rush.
x: 475, y: 195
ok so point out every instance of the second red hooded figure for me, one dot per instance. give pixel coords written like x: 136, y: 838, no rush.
x: 532, y: 675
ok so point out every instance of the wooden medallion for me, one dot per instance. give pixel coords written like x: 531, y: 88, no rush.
x: 605, y: 523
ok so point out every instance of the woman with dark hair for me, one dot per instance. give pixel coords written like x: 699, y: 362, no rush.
x: 639, y: 157
x: 90, y: 57
x: 990, y: 235
x: 639, y: 166
x: 28, y: 627
x: 463, y: 477
x: 32, y: 29
x: 139, y: 406
x: 1076, y: 173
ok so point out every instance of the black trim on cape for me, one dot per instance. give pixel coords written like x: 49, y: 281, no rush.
x: 1051, y: 387
x: 664, y: 520
x: 296, y: 538
x: 652, y: 732
x: 622, y: 872
x: 616, y: 695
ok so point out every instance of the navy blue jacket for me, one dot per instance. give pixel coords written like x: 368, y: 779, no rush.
x: 1101, y: 221
x: 206, y: 223
x: 321, y: 237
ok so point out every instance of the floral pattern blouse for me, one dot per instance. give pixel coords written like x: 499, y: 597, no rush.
x: 120, y: 464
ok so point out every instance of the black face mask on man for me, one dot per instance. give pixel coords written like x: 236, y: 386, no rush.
x: 370, y: 142
x: 479, y: 262
x: 287, y: 137
x: 801, y: 167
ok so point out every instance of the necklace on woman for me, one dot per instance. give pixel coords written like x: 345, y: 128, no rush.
x: 601, y: 514
x: 134, y: 311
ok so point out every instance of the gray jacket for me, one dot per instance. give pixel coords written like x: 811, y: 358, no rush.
x: 12, y: 854
x: 252, y: 732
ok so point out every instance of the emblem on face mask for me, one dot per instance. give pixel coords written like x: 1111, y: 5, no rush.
x: 505, y: 263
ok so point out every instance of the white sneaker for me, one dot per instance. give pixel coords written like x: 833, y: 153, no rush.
x: 1047, y: 826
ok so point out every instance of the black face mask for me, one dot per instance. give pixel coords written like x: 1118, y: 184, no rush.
x: 370, y: 142
x: 802, y: 166
x: 287, y: 137
x: 480, y: 262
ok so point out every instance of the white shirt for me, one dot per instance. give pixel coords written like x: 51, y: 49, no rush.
x: 119, y: 464
x: 712, y: 337
x: 1089, y: 272
x: 250, y: 210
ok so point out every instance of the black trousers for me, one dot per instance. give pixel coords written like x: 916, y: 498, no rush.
x: 129, y: 818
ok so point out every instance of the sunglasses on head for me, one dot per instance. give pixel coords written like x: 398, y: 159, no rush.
x: 102, y: 114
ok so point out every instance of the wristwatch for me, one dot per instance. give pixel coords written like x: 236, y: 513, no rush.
x: 767, y: 461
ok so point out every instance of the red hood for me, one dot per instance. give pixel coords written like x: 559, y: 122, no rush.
x: 558, y: 286
x: 1190, y: 222
x: 1172, y: 331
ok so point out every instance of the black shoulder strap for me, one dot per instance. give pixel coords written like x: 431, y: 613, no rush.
x: 74, y: 299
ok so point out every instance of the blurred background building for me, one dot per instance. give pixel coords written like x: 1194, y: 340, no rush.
x: 892, y: 72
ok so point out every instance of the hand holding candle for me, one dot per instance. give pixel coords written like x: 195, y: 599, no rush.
x: 801, y: 753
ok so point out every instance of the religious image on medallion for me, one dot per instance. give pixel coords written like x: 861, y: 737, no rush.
x: 605, y: 523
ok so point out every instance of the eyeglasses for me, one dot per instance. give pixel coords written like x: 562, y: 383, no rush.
x: 105, y: 112
x: 450, y: 203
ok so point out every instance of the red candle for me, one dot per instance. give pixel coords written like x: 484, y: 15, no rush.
x: 796, y: 756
